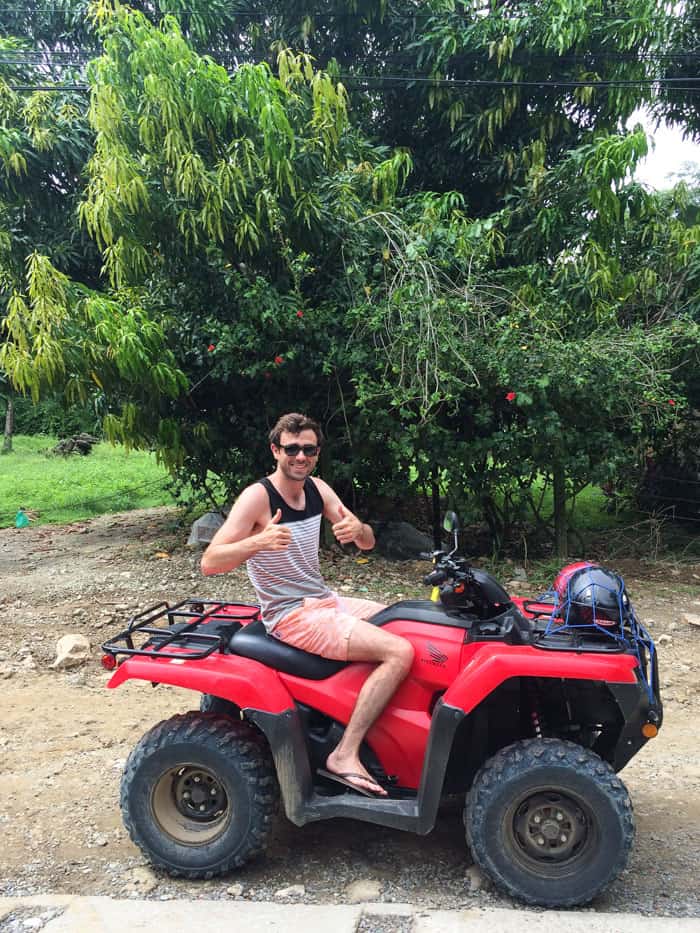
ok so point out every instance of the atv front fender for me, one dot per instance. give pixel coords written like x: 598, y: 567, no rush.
x: 245, y: 682
x: 491, y: 664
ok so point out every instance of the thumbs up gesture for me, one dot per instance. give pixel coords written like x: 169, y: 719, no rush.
x: 348, y: 527
x: 275, y: 537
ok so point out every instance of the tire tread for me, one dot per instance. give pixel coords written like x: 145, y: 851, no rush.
x: 510, y: 762
x: 249, y: 754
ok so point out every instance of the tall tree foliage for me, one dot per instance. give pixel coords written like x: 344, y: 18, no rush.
x: 226, y: 205
x: 44, y: 143
x: 458, y: 278
x: 553, y: 341
x: 482, y: 91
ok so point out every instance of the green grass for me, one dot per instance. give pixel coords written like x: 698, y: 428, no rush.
x: 590, y: 511
x: 66, y: 489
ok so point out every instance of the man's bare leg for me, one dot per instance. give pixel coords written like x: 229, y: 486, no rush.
x: 395, y: 656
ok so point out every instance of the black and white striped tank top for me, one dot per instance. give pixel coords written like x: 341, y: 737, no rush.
x: 283, y: 579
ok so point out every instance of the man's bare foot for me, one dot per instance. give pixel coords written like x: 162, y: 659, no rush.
x: 354, y: 774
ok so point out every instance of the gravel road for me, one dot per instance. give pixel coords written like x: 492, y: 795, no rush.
x: 64, y: 739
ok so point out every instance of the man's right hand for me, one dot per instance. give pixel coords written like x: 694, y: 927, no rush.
x: 274, y: 537
x: 238, y: 540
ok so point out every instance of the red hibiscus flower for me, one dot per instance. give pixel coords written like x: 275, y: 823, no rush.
x: 279, y: 360
x: 672, y: 401
x: 300, y: 314
x: 511, y: 396
x: 211, y: 347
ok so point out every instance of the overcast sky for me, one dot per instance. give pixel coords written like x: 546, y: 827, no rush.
x: 671, y: 151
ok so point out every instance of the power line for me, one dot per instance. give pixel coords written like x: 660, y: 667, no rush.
x: 590, y: 60
x: 536, y: 85
x: 45, y: 52
x: 488, y: 82
x: 474, y: 54
x: 70, y: 59
x: 410, y: 14
x: 49, y: 87
x: 594, y: 60
x: 416, y: 79
x: 76, y: 58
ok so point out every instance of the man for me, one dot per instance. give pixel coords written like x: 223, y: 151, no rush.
x: 274, y: 527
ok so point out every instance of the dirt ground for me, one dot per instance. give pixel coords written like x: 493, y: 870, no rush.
x: 64, y: 737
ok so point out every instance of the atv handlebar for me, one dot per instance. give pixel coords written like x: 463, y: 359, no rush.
x: 447, y: 569
x: 435, y: 577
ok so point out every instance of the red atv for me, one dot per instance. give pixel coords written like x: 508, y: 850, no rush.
x: 528, y: 708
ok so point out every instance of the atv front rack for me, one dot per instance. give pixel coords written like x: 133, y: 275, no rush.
x: 191, y: 629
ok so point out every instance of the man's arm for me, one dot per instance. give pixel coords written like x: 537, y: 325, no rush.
x: 347, y: 528
x: 235, y: 541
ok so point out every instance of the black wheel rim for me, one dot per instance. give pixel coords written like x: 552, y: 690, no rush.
x: 190, y: 804
x: 550, y: 832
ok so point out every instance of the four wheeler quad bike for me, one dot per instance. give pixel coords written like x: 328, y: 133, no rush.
x: 528, y: 708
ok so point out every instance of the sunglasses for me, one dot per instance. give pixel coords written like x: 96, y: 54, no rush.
x: 292, y: 450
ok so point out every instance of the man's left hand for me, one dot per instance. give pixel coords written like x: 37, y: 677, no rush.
x: 348, y: 528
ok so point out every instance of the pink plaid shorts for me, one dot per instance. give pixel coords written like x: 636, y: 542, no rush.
x: 323, y: 626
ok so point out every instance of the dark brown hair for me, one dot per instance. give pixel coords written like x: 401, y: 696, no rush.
x: 294, y: 423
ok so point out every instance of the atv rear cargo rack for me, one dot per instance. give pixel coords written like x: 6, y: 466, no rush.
x: 552, y: 632
x: 583, y: 642
x: 194, y: 628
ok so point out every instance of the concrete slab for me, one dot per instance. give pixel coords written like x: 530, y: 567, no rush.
x: 104, y: 915
x: 107, y: 915
x: 498, y: 920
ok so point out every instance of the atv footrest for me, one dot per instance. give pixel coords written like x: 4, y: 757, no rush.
x: 191, y: 629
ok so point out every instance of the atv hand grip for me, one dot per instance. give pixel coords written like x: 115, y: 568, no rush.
x: 435, y: 578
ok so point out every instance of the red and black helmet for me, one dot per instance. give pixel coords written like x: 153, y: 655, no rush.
x: 588, y: 594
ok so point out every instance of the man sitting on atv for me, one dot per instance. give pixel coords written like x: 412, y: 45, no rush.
x: 274, y: 526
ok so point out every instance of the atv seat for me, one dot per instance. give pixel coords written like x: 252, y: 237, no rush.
x: 252, y: 641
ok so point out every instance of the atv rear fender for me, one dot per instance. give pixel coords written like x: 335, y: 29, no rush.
x: 246, y: 683
x: 486, y: 667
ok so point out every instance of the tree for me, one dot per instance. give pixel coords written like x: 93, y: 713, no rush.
x: 44, y: 143
x: 221, y: 206
x: 480, y: 92
x: 461, y: 309
x: 9, y: 421
x: 551, y: 342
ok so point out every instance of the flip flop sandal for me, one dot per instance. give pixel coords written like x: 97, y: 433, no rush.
x: 344, y: 779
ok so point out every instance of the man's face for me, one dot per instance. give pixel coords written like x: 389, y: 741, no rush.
x: 294, y: 463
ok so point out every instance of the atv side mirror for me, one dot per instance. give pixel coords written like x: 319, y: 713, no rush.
x: 451, y: 521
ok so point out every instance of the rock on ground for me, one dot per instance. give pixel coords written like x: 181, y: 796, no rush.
x: 362, y: 891
x: 71, y: 651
